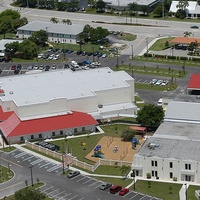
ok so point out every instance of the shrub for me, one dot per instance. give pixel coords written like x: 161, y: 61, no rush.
x: 172, y: 57
x: 128, y: 135
x: 149, y: 55
x: 183, y: 58
x: 148, y: 175
x: 196, y: 59
x: 174, y: 178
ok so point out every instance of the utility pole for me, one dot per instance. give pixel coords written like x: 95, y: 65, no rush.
x: 27, y: 4
x: 147, y: 44
x: 38, y: 4
x: 132, y: 51
x: 117, y: 59
x: 163, y: 9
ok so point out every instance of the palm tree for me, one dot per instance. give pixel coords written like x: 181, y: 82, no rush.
x: 125, y: 169
x: 64, y: 21
x: 69, y: 22
x: 182, y: 4
x: 54, y: 20
x: 187, y: 34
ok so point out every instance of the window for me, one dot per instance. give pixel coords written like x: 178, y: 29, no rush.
x: 188, y: 166
x: 40, y: 135
x: 32, y: 137
x: 152, y: 173
x: 156, y: 174
x: 53, y: 133
x: 83, y: 129
x: 171, y: 175
x: 61, y: 132
x: 70, y: 36
x: 21, y: 138
x: 154, y: 163
x: 75, y: 130
x: 171, y: 164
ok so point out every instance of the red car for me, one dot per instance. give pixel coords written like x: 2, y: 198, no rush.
x: 13, y: 67
x: 123, y: 191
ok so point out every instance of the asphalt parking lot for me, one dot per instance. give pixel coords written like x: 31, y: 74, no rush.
x: 84, y: 186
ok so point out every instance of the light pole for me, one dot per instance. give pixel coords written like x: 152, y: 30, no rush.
x: 117, y: 59
x: 31, y: 168
x: 93, y: 53
x: 132, y: 51
x: 185, y: 191
x: 134, y: 179
x: 147, y: 44
x: 63, y: 164
x: 27, y: 4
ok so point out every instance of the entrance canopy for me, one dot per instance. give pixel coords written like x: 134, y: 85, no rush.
x: 194, y: 85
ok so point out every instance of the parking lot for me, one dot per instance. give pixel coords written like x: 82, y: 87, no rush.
x: 81, y: 181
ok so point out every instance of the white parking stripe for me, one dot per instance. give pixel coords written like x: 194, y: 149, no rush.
x: 36, y: 161
x: 59, y: 193
x: 53, y: 191
x: 87, y: 181
x: 81, y: 179
x: 19, y: 155
x: 94, y: 183
x: 28, y: 158
x: 47, y: 189
x: 73, y: 197
x: 54, y: 168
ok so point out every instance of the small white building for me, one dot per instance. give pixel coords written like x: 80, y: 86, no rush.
x: 172, y: 152
x: 57, y: 32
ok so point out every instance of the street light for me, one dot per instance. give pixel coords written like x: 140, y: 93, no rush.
x: 134, y: 179
x: 93, y: 53
x: 117, y: 59
x: 27, y: 4
x: 147, y: 44
x: 185, y: 191
x: 63, y: 164
x: 31, y: 168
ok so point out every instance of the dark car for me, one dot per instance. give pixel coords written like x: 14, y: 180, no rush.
x: 84, y: 53
x: 16, y: 71
x: 115, y: 188
x: 79, y: 52
x: 47, y: 68
x: 73, y: 174
x: 105, y: 186
x: 95, y: 53
x: 89, y: 53
x: 19, y: 66
x: 1, y: 71
x: 194, y: 27
x: 70, y: 51
x: 66, y: 66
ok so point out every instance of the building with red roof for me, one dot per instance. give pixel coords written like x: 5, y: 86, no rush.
x: 15, y: 130
x: 194, y: 84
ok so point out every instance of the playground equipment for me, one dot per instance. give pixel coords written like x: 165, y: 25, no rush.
x: 115, y: 149
x: 135, y: 142
x: 97, y: 152
x: 83, y: 144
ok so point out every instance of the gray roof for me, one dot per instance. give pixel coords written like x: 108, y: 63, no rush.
x: 3, y: 42
x: 183, y: 112
x: 38, y: 88
x: 125, y: 3
x: 50, y: 27
x: 171, y: 148
x: 175, y: 130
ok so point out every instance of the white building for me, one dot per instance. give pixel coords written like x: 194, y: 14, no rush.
x: 172, y: 152
x: 101, y: 93
x: 57, y: 32
x: 192, y: 10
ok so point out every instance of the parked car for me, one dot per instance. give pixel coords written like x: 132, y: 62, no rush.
x: 36, y: 67
x: 165, y: 82
x: 123, y: 191
x: 159, y: 82
x: 104, y: 55
x: 73, y: 174
x: 13, y: 67
x: 79, y: 52
x: 115, y: 188
x: 153, y: 81
x: 105, y: 186
x: 47, y: 68
x: 70, y: 51
x: 1, y: 71
x: 40, y: 55
x: 16, y: 71
x: 96, y: 63
x: 19, y: 66
x: 41, y: 67
x: 66, y: 66
x: 54, y: 67
x: 30, y: 67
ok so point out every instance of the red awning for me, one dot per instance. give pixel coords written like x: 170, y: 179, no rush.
x: 138, y: 128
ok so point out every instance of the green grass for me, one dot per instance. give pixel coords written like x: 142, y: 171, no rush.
x: 8, y: 36
x: 109, y: 170
x: 127, y: 37
x: 161, y: 190
x: 157, y: 71
x: 5, y: 174
x: 115, y: 181
x: 191, y: 192
x: 140, y: 105
x: 159, y: 45
x: 168, y: 87
x: 8, y: 149
x: 137, y: 98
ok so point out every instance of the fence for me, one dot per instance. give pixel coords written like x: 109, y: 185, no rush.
x: 69, y: 159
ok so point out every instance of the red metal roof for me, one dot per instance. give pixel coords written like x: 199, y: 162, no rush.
x: 138, y: 128
x: 4, y: 115
x: 194, y: 81
x: 13, y: 126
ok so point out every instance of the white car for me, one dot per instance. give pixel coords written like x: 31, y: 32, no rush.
x: 153, y: 81
x: 165, y: 82
x: 159, y: 82
x: 51, y: 57
x: 36, y: 67
x: 96, y: 63
x: 104, y: 55
x: 40, y: 55
x: 85, y: 67
x: 54, y: 67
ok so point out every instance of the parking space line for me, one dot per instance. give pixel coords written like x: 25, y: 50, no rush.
x: 28, y: 158
x: 74, y: 177
x: 81, y: 179
x: 47, y: 189
x: 87, y: 181
x: 36, y: 161
x: 94, y: 183
x: 66, y: 195
x: 53, y: 191
x: 81, y: 199
x: 45, y: 165
x: 59, y: 193
x: 73, y: 197
x: 20, y: 155
x: 53, y: 168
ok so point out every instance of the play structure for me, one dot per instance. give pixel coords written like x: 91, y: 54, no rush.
x: 83, y: 144
x: 97, y: 152
x: 135, y: 142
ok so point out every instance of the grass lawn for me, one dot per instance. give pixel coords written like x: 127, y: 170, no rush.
x: 168, y: 87
x: 159, y: 45
x: 8, y: 149
x: 161, y: 190
x: 7, y: 36
x: 5, y: 174
x: 109, y: 170
x: 191, y: 192
x: 127, y: 37
x: 115, y: 181
x: 153, y: 71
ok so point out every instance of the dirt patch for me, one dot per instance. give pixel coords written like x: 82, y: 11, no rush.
x: 108, y: 144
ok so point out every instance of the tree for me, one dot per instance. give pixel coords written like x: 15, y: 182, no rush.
x: 187, y: 34
x: 100, y: 6
x: 29, y: 193
x: 19, y: 22
x: 54, y: 20
x: 181, y: 14
x: 150, y: 116
x: 12, y: 48
x: 133, y: 7
x: 39, y: 37
x: 194, y: 46
x: 12, y: 13
x: 158, y: 11
x: 127, y: 135
x: 5, y: 25
x: 182, y: 4
x: 28, y: 49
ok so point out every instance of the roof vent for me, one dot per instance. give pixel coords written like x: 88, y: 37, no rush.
x: 2, y: 92
x: 11, y: 92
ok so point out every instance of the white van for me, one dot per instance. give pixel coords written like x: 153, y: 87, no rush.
x: 74, y: 64
x: 159, y: 103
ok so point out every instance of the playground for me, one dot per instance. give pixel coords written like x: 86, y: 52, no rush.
x: 114, y: 148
